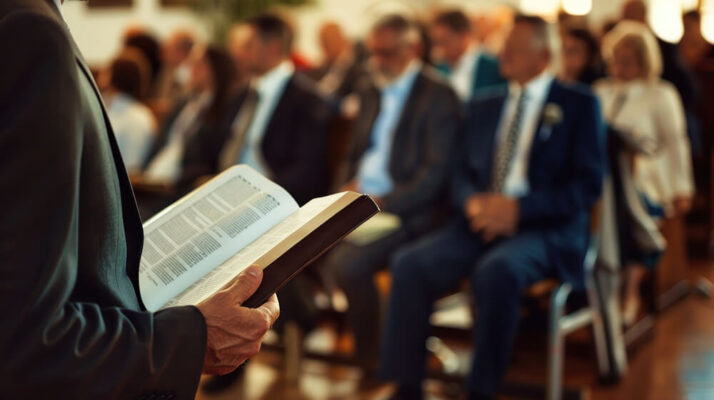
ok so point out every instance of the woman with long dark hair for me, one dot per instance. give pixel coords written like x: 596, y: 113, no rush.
x: 188, y: 143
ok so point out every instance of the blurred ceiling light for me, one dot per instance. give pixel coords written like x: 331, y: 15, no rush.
x: 547, y: 9
x: 665, y: 19
x: 577, y: 7
x: 708, y: 20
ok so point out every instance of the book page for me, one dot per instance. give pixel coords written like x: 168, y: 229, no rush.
x: 205, y: 228
x: 305, y: 219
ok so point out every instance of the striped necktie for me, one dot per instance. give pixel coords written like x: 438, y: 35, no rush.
x: 235, y: 144
x: 507, y: 148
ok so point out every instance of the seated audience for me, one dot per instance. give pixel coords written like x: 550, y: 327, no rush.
x: 647, y: 117
x: 132, y: 122
x: 530, y: 169
x: 458, y: 55
x: 400, y: 154
x: 189, y: 141
x: 581, y: 60
x: 278, y: 124
x: 175, y: 73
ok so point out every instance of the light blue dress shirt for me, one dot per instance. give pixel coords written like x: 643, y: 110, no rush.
x: 373, y: 176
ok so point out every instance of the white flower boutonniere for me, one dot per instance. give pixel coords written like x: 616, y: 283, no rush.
x: 552, y: 116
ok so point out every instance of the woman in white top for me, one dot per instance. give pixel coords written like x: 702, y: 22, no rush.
x: 647, y: 116
x: 133, y: 123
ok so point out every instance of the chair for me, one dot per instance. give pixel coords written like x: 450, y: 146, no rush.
x: 609, y: 347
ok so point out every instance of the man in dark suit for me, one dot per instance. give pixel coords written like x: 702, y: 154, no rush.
x: 279, y: 123
x: 73, y: 324
x: 400, y: 155
x: 531, y: 167
x: 468, y: 68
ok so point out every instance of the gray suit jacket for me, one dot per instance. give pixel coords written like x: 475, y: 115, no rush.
x: 73, y: 325
x: 421, y: 157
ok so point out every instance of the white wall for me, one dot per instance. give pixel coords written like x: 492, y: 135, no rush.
x: 98, y: 32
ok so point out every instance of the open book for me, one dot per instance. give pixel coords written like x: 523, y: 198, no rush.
x: 204, y: 240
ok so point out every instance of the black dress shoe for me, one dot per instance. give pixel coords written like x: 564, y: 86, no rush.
x: 219, y: 383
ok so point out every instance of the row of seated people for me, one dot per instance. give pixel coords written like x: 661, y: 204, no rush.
x: 492, y: 182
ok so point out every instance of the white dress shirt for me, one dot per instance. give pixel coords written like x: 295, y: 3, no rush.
x: 654, y: 111
x: 134, y: 127
x: 536, y: 92
x: 270, y: 89
x: 373, y: 175
x: 464, y: 72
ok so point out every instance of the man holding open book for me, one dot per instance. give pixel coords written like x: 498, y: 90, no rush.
x: 73, y: 322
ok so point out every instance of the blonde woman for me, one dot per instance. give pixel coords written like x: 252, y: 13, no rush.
x: 652, y: 172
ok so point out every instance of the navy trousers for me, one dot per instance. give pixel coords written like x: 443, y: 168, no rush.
x: 423, y: 272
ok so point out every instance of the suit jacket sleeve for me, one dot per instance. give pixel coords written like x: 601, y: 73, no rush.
x: 442, y: 125
x: 583, y: 184
x: 50, y: 345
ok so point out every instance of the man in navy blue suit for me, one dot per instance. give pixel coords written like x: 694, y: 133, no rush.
x: 467, y: 67
x: 530, y: 170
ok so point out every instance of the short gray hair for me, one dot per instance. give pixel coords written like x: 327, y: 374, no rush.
x: 407, y: 30
x: 542, y: 36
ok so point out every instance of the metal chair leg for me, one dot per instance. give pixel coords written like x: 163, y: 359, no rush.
x: 595, y: 303
x: 555, y: 342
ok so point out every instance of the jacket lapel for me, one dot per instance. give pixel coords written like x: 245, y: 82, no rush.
x: 414, y: 106
x: 543, y: 132
x: 363, y: 134
x: 133, y: 230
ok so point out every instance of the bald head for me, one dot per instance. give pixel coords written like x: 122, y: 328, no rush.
x: 635, y: 10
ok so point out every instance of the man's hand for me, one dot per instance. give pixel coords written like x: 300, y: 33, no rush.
x: 492, y: 215
x: 235, y: 333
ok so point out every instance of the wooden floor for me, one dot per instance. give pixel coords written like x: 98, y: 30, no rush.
x: 677, y: 362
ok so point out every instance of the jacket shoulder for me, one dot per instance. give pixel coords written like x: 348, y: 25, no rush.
x: 434, y: 82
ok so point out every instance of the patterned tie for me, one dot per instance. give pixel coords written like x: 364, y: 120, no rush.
x: 507, y: 148
x: 234, y: 146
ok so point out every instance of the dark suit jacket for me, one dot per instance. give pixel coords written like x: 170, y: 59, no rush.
x: 73, y: 325
x: 294, y: 145
x: 565, y: 169
x: 420, y: 160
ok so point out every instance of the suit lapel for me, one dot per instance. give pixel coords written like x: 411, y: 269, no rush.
x: 133, y: 230
x: 540, y: 139
x: 370, y: 110
x: 284, y: 107
x: 414, y: 106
